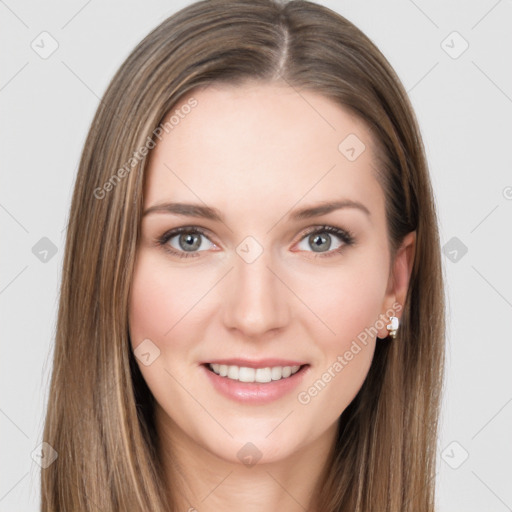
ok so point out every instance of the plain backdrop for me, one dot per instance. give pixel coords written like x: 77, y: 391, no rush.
x: 454, y: 59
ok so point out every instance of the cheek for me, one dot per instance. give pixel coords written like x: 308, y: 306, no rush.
x: 160, y: 298
x: 347, y: 300
x: 159, y: 301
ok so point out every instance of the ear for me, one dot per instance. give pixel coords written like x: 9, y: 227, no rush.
x: 398, y: 282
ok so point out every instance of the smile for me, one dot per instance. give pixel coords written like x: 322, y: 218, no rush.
x: 261, y: 375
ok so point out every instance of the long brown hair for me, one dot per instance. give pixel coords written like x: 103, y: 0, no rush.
x: 100, y: 411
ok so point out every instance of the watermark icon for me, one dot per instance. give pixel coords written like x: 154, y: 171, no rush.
x: 351, y: 147
x: 454, y: 455
x: 44, y: 250
x: 454, y: 249
x: 44, y: 45
x: 249, y: 249
x: 305, y: 397
x: 44, y: 455
x: 454, y: 45
x: 167, y: 127
x: 249, y: 454
x: 146, y: 352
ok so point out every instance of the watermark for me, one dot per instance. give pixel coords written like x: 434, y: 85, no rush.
x: 249, y: 249
x: 305, y: 397
x: 454, y: 249
x: 44, y: 250
x: 44, y: 45
x: 249, y: 454
x: 507, y: 192
x: 167, y: 127
x: 146, y: 352
x: 351, y: 147
x: 44, y: 455
x: 454, y: 45
x: 455, y: 455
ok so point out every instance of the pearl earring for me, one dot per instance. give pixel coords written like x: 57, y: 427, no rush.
x: 392, y: 327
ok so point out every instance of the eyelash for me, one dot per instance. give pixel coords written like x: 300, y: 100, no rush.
x: 346, y: 236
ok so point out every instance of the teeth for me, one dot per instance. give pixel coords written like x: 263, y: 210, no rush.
x: 244, y: 374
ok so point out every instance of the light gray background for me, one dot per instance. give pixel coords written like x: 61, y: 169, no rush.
x: 464, y: 107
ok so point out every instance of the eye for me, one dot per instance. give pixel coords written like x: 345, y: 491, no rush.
x: 320, y: 239
x: 185, y: 242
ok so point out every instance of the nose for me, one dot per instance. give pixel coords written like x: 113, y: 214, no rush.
x: 256, y: 300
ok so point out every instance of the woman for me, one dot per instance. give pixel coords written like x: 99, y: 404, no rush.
x: 252, y: 309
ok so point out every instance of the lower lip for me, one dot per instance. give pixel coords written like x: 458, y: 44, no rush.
x: 255, y: 392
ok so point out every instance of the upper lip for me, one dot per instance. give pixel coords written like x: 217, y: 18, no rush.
x: 260, y: 363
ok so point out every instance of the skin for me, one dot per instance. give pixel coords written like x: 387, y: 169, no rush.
x: 257, y: 152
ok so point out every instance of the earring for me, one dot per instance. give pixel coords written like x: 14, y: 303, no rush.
x: 392, y: 327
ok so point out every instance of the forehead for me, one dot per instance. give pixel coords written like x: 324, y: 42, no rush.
x: 258, y: 146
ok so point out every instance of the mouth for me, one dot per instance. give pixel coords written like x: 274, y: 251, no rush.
x: 254, y: 384
x: 252, y: 374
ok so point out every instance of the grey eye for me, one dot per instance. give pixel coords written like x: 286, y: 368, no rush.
x: 189, y: 242
x: 319, y: 241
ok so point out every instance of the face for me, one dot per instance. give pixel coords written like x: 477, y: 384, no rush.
x: 243, y: 278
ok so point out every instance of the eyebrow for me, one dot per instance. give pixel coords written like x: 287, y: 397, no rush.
x: 206, y: 212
